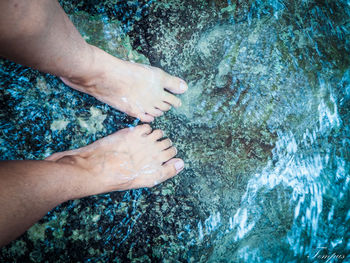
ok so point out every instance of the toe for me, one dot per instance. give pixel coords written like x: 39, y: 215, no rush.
x: 168, y: 154
x: 172, y: 167
x: 172, y: 100
x: 174, y: 84
x: 155, y: 112
x: 146, y: 117
x: 156, y: 135
x: 164, y: 144
x: 143, y: 129
x: 163, y: 106
x: 167, y: 171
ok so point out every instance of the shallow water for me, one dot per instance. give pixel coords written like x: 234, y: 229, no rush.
x: 264, y: 131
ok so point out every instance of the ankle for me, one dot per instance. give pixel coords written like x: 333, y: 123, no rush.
x: 78, y: 176
x: 90, y: 72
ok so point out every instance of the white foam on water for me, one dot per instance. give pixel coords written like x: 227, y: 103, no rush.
x: 200, y: 231
x: 240, y: 221
x: 212, y: 222
x: 297, y: 170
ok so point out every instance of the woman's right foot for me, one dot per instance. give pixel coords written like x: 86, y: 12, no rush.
x: 128, y: 159
x: 138, y: 90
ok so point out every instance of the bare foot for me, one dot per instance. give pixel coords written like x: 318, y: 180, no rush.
x: 139, y: 90
x: 128, y: 159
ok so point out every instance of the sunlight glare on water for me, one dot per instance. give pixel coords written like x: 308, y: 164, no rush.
x: 264, y: 130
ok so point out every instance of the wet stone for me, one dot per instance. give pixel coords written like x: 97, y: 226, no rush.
x: 263, y: 129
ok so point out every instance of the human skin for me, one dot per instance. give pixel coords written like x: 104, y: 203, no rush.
x: 38, y: 34
x: 128, y: 159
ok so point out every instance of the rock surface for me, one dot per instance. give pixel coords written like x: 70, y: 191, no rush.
x: 263, y: 130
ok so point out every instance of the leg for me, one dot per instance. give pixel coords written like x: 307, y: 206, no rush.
x: 29, y: 189
x: 127, y: 159
x: 39, y: 34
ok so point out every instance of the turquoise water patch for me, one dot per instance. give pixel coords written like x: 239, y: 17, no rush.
x: 263, y: 129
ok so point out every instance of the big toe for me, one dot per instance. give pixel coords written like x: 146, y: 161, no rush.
x: 175, y: 84
x: 167, y: 171
x: 172, y: 167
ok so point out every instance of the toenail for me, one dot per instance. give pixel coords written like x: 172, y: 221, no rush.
x: 179, y: 165
x: 183, y: 85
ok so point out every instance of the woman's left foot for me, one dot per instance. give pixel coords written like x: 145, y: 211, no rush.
x: 140, y: 91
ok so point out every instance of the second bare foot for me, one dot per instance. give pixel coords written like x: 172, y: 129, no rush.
x: 128, y: 159
x: 138, y: 90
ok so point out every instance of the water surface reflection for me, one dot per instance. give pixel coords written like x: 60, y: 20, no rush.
x: 264, y: 130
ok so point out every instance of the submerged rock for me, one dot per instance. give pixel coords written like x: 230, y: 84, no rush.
x: 263, y: 130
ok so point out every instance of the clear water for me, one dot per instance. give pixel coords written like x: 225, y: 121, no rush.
x: 275, y: 87
x: 264, y: 130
